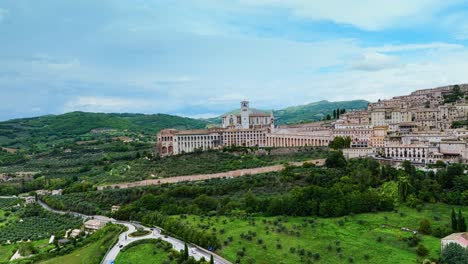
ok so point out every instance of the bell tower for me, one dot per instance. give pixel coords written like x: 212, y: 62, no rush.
x: 244, y: 114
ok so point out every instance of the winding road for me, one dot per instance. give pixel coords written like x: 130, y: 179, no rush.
x: 124, y: 238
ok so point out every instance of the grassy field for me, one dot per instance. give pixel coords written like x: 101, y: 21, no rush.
x: 91, y: 253
x: 6, y: 251
x: 146, y: 253
x: 331, y: 240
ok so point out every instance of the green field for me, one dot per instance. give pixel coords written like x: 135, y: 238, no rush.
x: 93, y: 252
x: 301, y: 238
x: 148, y: 252
x: 6, y: 251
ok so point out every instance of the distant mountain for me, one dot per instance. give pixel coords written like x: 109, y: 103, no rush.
x: 306, y: 113
x: 50, y: 128
x: 315, y: 111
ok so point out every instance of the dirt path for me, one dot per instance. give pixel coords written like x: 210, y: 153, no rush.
x: 201, y: 177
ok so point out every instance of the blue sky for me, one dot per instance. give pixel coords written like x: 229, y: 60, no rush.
x: 200, y: 58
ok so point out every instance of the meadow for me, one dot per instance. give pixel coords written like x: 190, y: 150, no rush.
x: 148, y: 251
x: 92, y: 252
x: 361, y: 238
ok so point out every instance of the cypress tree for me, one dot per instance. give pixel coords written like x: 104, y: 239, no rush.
x: 334, y: 114
x: 461, y: 224
x: 454, y: 221
x: 186, y: 253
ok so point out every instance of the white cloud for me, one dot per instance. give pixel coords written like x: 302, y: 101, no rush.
x: 412, y: 47
x: 199, y: 116
x: 373, y: 61
x: 364, y: 14
x: 106, y: 104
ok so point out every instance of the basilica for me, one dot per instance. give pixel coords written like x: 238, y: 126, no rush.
x: 420, y: 127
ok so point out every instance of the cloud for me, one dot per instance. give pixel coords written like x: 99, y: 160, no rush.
x: 373, y: 61
x: 413, y: 47
x: 3, y: 14
x: 106, y: 104
x: 199, y: 116
x: 363, y: 14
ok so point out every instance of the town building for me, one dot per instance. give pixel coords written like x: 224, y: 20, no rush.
x: 417, y: 127
x: 94, y: 224
x: 456, y: 238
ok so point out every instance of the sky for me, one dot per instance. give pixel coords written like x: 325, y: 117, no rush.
x: 200, y: 58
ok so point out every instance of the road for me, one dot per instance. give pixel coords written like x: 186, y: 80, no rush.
x: 202, y: 177
x: 124, y: 238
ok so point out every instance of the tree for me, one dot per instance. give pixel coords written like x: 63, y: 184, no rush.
x: 422, y: 251
x: 334, y: 114
x: 186, y: 252
x: 335, y: 160
x: 403, y: 187
x: 461, y: 224
x: 250, y: 202
x: 454, y: 221
x: 340, y: 142
x: 211, y: 259
x: 425, y: 226
x: 454, y: 254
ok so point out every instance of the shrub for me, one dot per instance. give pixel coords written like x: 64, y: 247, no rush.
x: 425, y: 226
x: 422, y: 251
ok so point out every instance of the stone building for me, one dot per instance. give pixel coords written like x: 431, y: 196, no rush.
x: 248, y: 118
x: 456, y: 238
x: 415, y: 127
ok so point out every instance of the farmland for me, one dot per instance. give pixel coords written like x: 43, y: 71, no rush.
x: 98, y: 159
x: 370, y: 237
x: 33, y: 223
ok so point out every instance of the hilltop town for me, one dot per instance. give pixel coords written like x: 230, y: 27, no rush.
x: 424, y: 127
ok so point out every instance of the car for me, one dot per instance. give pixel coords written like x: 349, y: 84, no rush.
x: 120, y: 246
x: 165, y: 236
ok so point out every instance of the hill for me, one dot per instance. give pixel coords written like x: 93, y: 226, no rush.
x: 28, y: 131
x: 306, y: 113
x: 315, y: 111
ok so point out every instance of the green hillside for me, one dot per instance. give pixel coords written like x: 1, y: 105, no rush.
x: 306, y: 113
x: 29, y: 131
x: 315, y: 111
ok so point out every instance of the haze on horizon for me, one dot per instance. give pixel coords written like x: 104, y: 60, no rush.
x: 200, y: 58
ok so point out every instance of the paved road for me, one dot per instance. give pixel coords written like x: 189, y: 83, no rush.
x: 124, y: 239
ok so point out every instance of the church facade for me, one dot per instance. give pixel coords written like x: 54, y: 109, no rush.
x: 247, y: 127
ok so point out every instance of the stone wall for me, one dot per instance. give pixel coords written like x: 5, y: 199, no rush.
x: 201, y: 177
